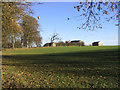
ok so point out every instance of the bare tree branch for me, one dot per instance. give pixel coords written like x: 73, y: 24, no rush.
x: 94, y: 12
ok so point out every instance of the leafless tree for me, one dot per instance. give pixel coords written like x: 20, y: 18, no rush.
x: 54, y: 37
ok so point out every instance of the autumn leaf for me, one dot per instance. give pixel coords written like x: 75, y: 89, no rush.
x: 106, y: 12
x: 117, y: 16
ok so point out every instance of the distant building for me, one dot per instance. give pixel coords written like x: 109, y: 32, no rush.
x: 77, y: 42
x: 67, y: 43
x: 97, y: 43
x: 53, y: 44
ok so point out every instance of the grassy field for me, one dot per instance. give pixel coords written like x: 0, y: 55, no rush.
x: 61, y: 67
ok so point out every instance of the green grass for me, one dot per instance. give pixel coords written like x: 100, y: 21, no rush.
x: 61, y: 67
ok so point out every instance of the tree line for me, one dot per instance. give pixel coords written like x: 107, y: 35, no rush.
x: 19, y: 28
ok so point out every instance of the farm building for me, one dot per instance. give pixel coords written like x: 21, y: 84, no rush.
x: 53, y: 44
x: 67, y: 43
x: 77, y: 42
x: 97, y: 43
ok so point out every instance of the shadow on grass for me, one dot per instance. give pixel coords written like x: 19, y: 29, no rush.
x: 65, y: 58
x: 103, y: 63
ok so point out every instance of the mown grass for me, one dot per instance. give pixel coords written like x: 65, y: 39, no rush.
x: 61, y: 67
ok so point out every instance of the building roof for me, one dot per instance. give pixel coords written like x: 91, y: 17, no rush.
x: 75, y: 40
x: 97, y: 42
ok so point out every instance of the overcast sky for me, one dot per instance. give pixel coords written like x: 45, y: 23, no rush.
x: 53, y: 18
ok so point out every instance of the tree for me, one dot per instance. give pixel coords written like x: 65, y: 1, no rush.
x: 82, y: 43
x: 11, y: 14
x: 54, y: 37
x: 93, y: 13
x: 30, y: 33
x: 38, y: 39
x: 18, y: 43
x: 10, y: 27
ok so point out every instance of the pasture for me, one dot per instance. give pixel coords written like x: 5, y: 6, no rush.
x: 61, y: 67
